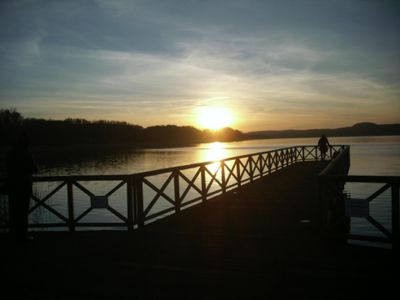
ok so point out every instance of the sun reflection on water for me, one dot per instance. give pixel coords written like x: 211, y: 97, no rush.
x: 214, y: 153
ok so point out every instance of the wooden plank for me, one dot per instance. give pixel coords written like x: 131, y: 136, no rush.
x: 138, y: 194
x: 177, y: 192
x: 378, y: 192
x: 130, y: 206
x: 380, y: 227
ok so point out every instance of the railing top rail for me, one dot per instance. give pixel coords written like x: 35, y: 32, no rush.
x: 164, y: 170
x: 335, y: 161
x: 148, y: 173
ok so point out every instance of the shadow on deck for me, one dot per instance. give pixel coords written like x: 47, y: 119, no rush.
x: 258, y: 242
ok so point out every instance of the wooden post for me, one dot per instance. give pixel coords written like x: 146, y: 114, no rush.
x: 223, y: 179
x: 251, y: 167
x: 71, y: 217
x: 395, y: 216
x: 261, y: 164
x: 203, y: 184
x: 130, y: 202
x: 269, y: 166
x: 138, y: 192
x: 239, y: 179
x: 177, y: 193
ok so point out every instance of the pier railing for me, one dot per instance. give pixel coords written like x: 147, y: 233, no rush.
x: 147, y: 196
x: 336, y: 207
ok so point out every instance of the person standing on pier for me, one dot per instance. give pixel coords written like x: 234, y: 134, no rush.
x: 20, y: 167
x: 323, y: 145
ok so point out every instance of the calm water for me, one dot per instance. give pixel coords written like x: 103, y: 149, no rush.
x: 369, y: 156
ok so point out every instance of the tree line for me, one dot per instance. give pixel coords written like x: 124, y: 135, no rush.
x: 83, y: 132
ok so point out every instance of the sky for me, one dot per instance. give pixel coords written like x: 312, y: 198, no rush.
x: 271, y: 64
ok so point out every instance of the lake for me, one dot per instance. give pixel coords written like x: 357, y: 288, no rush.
x: 378, y: 155
x: 369, y: 156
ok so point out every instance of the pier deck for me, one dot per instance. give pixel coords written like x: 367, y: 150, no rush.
x: 257, y: 242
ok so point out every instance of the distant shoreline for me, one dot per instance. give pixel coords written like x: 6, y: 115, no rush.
x: 359, y: 129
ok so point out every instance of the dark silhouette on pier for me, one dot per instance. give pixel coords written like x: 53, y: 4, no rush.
x: 20, y: 167
x: 323, y: 145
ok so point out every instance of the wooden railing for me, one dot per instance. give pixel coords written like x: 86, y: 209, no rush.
x: 337, y: 207
x: 177, y: 188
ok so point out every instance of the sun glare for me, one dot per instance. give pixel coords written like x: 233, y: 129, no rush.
x: 214, y: 152
x: 214, y: 118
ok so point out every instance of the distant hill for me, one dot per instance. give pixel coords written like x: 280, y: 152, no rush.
x: 359, y: 129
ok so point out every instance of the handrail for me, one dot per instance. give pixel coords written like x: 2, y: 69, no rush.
x: 176, y: 187
x: 339, y: 164
x: 189, y: 166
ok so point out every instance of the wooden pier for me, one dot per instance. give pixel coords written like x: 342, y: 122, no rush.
x: 269, y: 238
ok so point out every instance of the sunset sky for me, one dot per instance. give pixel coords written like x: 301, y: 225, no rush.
x: 262, y: 64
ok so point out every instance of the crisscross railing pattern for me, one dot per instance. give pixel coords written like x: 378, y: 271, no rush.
x: 154, y: 194
x: 392, y: 183
x: 74, y: 184
x: 331, y: 185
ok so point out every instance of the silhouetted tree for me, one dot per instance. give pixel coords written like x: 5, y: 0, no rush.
x: 83, y: 132
x: 10, y: 124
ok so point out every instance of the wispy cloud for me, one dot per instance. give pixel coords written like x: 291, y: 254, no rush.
x: 277, y: 65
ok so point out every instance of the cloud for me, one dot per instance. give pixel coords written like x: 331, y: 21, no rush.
x: 152, y: 61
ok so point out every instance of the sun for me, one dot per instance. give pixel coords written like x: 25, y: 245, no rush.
x: 214, y: 118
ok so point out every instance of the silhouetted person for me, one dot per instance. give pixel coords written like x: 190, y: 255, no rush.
x: 20, y: 167
x: 323, y: 145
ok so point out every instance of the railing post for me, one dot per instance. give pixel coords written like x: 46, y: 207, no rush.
x: 284, y: 158
x: 138, y: 192
x: 239, y: 179
x: 303, y: 158
x: 276, y: 160
x: 177, y: 192
x: 395, y: 216
x: 223, y: 179
x: 130, y: 202
x: 261, y: 165
x: 71, y: 216
x: 251, y: 167
x: 269, y: 163
x: 203, y: 184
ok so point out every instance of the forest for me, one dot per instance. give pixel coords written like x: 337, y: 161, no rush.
x: 108, y: 133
